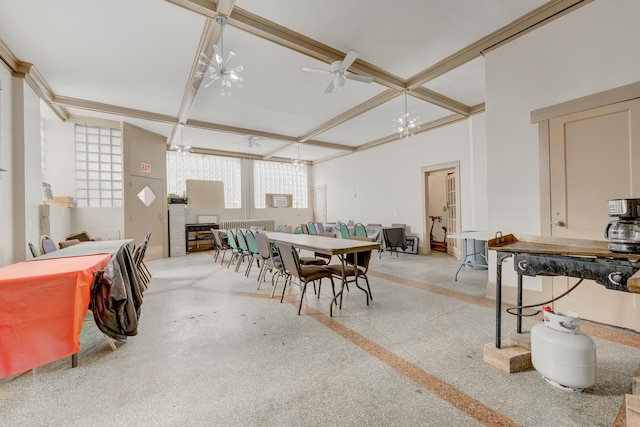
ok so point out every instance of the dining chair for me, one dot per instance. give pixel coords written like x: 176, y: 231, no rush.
x: 312, y: 228
x: 270, y: 262
x: 147, y: 239
x: 243, y: 247
x: 221, y: 245
x: 360, y: 230
x: 34, y: 250
x: 67, y: 243
x: 138, y: 258
x: 297, y: 230
x: 304, y: 273
x: 47, y: 245
x: 344, y: 231
x: 253, y: 251
x: 235, y: 249
x: 320, y: 227
x: 304, y: 228
x: 394, y: 238
x: 286, y: 228
x: 279, y: 228
x: 356, y: 265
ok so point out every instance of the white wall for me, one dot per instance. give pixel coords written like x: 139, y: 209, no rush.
x: 587, y: 51
x: 59, y: 154
x: 385, y: 184
x: 590, y: 50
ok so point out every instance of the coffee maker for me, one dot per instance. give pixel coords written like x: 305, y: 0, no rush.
x: 623, y: 234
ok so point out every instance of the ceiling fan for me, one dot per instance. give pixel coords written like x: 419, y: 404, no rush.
x: 250, y: 140
x: 339, y: 71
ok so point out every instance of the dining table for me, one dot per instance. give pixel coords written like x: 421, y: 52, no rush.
x: 43, y: 303
x: 327, y: 246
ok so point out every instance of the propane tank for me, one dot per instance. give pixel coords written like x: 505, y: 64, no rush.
x: 564, y: 356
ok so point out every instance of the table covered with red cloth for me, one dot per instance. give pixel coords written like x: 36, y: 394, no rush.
x: 42, y: 307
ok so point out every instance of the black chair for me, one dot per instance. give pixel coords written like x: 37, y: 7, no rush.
x: 304, y: 273
x: 394, y: 238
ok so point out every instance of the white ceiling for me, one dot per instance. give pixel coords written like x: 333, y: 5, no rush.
x: 137, y: 61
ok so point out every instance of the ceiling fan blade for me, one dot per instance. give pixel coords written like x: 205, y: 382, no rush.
x: 329, y: 88
x: 356, y: 77
x: 349, y: 59
x: 315, y: 70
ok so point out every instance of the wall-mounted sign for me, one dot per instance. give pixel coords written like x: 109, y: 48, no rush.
x: 145, y: 167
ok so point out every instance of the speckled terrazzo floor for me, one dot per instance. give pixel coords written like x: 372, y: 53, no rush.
x: 214, y: 351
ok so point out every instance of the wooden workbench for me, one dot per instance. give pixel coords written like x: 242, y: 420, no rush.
x: 553, y: 256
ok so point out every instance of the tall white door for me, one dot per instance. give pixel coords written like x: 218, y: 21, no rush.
x: 320, y: 204
x: 592, y: 159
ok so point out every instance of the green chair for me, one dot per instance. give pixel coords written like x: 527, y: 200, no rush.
x: 244, y: 249
x: 360, y: 230
x: 344, y: 231
x: 253, y: 250
x: 312, y: 228
x: 297, y: 230
x: 235, y: 249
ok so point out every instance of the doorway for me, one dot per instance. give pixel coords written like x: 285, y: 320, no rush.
x: 441, y: 208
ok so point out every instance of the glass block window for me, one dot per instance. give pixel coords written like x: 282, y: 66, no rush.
x: 98, y: 167
x: 279, y: 178
x: 183, y: 166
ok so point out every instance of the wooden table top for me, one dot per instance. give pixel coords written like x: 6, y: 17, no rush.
x: 322, y: 244
x: 556, y: 246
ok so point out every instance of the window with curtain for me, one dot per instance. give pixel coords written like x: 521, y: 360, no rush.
x: 98, y: 167
x: 183, y: 166
x: 280, y: 178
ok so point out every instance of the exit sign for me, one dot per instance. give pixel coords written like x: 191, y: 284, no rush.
x: 145, y: 167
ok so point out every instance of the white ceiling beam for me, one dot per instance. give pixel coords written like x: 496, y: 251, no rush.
x: 377, y: 100
x: 113, y: 109
x: 534, y: 19
x: 210, y: 35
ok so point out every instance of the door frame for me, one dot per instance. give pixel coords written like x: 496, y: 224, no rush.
x: 454, y: 166
x: 320, y: 189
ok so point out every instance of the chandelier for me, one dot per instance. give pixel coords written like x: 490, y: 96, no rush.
x: 407, y: 123
x: 182, y: 149
x: 218, y: 67
x: 297, y: 161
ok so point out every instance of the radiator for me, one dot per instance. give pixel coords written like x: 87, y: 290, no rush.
x: 267, y: 224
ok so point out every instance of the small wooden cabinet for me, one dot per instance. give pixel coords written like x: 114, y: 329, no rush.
x: 198, y: 237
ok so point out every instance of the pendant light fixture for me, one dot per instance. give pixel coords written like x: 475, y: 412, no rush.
x: 217, y: 69
x: 407, y: 123
x: 297, y: 161
x: 182, y: 149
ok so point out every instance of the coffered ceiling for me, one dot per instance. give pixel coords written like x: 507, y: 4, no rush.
x: 138, y: 61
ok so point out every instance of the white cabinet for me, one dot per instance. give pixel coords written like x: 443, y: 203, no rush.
x: 177, y: 240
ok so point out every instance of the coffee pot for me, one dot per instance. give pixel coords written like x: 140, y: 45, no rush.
x: 624, y: 233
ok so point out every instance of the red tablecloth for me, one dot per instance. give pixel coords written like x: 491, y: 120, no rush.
x: 42, y: 306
